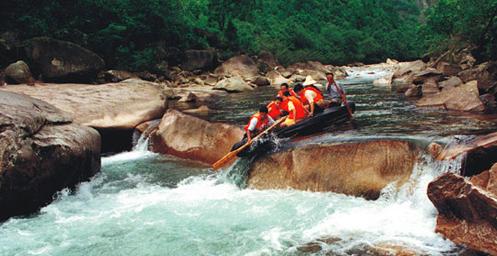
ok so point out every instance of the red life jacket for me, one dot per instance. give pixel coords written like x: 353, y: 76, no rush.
x: 299, y: 108
x: 273, y: 110
x: 319, y: 94
x: 261, y: 123
x: 292, y: 93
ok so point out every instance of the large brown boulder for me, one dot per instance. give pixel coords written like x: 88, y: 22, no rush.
x: 62, y: 61
x: 485, y: 74
x: 19, y: 73
x: 242, y: 66
x: 406, y: 68
x: 121, y: 105
x: 276, y: 79
x: 467, y: 210
x: 189, y: 137
x: 359, y: 169
x: 41, y: 152
x: 462, y: 98
x: 199, y: 59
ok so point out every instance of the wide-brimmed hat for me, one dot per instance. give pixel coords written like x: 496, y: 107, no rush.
x: 309, y: 81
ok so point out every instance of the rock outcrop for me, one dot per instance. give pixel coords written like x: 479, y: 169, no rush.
x: 41, y: 152
x: 189, y: 137
x: 467, y: 210
x: 233, y: 84
x: 117, y: 105
x: 359, y: 169
x: 242, y: 66
x: 62, y: 61
x: 462, y: 98
x: 114, y: 76
x: 19, y: 73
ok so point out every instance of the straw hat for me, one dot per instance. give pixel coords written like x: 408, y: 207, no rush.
x: 309, y: 81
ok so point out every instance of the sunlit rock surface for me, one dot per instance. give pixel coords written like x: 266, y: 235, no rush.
x: 361, y: 169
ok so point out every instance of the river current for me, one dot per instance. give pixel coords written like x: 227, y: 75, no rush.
x: 143, y: 203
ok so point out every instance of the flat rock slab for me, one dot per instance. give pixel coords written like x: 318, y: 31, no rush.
x: 121, y: 105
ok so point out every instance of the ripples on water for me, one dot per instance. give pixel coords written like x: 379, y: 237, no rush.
x: 147, y: 204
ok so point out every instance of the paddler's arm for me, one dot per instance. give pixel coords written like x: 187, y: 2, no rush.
x: 310, y: 98
x: 270, y: 120
x: 251, y: 128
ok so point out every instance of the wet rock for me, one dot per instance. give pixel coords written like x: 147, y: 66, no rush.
x: 233, y: 84
x: 383, y: 82
x: 359, y: 169
x: 406, y: 68
x: 261, y: 81
x: 62, y: 61
x: 193, y: 138
x: 114, y: 76
x: 453, y: 81
x: 200, y: 111
x: 121, y: 105
x: 147, y: 76
x: 41, y: 152
x: 19, y: 73
x: 429, y: 73
x: 200, y: 59
x: 211, y: 80
x: 467, y: 211
x: 190, y: 97
x: 486, y: 141
x: 462, y: 98
x: 413, y: 91
x: 489, y: 102
x: 242, y: 66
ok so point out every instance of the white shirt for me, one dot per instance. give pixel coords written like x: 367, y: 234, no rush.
x: 310, y: 95
x: 253, y: 123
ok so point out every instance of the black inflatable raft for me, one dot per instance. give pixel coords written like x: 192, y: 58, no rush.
x: 322, y: 121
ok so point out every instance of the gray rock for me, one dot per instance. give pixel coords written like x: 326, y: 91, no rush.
x: 18, y: 72
x: 233, y: 84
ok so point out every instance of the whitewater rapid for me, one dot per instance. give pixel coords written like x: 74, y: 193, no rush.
x: 146, y: 204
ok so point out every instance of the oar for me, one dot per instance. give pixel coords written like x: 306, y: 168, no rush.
x: 227, y: 158
x: 344, y: 99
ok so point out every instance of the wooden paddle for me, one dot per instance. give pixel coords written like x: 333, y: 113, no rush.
x: 227, y: 158
x: 344, y: 99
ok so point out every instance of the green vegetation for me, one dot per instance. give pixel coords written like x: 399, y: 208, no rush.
x: 453, y: 22
x: 138, y: 34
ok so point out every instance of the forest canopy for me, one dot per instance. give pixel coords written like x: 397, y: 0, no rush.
x: 137, y: 34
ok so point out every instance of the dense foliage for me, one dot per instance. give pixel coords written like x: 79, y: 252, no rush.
x: 452, y: 22
x: 138, y: 34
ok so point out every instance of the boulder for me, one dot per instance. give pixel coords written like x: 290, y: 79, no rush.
x: 114, y: 76
x: 462, y: 98
x: 359, y: 169
x: 267, y: 59
x: 121, y: 105
x: 18, y: 72
x: 448, y: 69
x: 261, y: 81
x: 453, y: 81
x: 430, y: 86
x: 41, y: 152
x: 406, y: 68
x: 486, y: 141
x: 429, y: 73
x: 189, y: 137
x: 211, y: 80
x: 233, y: 84
x: 276, y: 78
x: 62, y: 61
x: 413, y: 91
x: 199, y: 59
x: 467, y: 210
x: 383, y: 82
x: 485, y: 74
x: 9, y: 43
x: 242, y: 66
x: 190, y: 97
x: 200, y: 111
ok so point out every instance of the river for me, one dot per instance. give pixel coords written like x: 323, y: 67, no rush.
x: 143, y: 203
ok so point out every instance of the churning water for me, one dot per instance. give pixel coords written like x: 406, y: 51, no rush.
x: 146, y: 204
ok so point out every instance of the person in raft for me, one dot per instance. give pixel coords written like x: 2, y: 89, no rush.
x: 334, y: 90
x: 274, y: 108
x: 311, y: 96
x: 284, y: 88
x: 295, y: 109
x: 258, y: 122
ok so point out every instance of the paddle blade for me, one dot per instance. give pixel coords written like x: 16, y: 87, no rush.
x: 226, y: 159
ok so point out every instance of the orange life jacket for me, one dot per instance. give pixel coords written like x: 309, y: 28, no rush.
x: 319, y: 94
x: 292, y: 93
x: 261, y: 123
x: 299, y: 108
x: 273, y: 110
